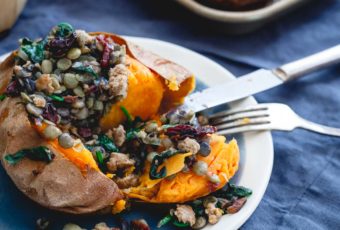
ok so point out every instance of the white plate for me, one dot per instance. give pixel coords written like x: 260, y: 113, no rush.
x: 256, y: 148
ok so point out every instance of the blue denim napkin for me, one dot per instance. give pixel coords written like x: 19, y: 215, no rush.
x: 304, y: 190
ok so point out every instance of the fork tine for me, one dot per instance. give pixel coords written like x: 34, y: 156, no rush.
x: 257, y: 107
x: 246, y: 128
x: 243, y: 122
x: 239, y: 116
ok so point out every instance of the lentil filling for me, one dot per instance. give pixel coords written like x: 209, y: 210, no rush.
x: 70, y: 79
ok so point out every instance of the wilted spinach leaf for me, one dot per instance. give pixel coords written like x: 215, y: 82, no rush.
x: 80, y: 67
x: 57, y: 98
x: 164, y: 221
x: 34, y: 50
x: 107, y: 143
x: 40, y: 153
x: 239, y: 191
x: 127, y: 115
x: 231, y: 190
x: 64, y: 29
x: 180, y: 224
x: 157, y: 161
x: 99, y: 156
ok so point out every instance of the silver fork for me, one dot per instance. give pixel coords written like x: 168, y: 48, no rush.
x: 267, y: 116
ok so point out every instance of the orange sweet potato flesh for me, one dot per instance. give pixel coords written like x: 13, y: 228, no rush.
x: 148, y: 95
x: 155, y: 84
x: 223, y: 161
x: 173, y: 98
x: 145, y: 94
x: 82, y: 158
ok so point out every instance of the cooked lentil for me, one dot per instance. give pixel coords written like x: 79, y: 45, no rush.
x: 66, y: 141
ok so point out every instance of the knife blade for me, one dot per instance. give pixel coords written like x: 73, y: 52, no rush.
x: 244, y: 86
x: 260, y: 80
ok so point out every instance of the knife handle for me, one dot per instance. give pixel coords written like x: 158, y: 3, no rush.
x: 298, y: 68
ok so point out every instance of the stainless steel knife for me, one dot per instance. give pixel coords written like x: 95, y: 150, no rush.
x: 261, y: 80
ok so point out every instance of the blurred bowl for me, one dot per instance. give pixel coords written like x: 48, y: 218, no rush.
x: 9, y: 12
x: 240, y: 22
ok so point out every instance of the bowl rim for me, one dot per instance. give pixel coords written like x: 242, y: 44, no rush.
x: 239, y: 16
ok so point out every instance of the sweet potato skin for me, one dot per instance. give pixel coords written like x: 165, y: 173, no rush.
x: 6, y: 70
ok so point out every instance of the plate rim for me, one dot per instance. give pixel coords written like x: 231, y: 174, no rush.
x: 247, y: 212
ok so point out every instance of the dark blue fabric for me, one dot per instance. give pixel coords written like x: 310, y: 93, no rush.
x: 304, y: 190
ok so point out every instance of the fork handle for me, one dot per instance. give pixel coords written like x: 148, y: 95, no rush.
x: 319, y: 128
x: 298, y: 68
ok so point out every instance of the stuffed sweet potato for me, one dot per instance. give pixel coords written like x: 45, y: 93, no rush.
x: 81, y: 128
x: 59, y: 184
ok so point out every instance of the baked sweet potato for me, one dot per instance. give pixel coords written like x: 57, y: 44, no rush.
x: 58, y: 185
x: 72, y: 181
